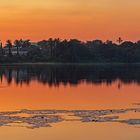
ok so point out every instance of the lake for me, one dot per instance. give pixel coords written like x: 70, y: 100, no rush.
x: 70, y: 102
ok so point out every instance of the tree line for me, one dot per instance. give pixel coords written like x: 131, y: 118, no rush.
x: 73, y: 50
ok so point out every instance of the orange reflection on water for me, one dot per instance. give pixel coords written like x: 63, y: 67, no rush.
x: 83, y: 96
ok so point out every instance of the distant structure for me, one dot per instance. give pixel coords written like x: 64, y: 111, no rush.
x: 119, y: 40
x: 22, y: 51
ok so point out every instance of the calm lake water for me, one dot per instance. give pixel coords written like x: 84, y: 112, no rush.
x: 71, y: 87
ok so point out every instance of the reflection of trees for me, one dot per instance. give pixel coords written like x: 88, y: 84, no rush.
x: 54, y: 75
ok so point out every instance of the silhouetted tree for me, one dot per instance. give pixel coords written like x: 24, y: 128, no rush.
x: 17, y: 44
x: 74, y: 50
x: 119, y: 40
x: 9, y: 45
x: 26, y: 44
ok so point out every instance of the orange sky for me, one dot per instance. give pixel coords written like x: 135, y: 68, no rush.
x: 83, y: 19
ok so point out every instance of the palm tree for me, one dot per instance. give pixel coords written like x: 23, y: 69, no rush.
x: 56, y: 42
x: 1, y: 49
x: 50, y: 42
x: 17, y: 45
x: 9, y: 45
x: 0, y: 44
x: 26, y: 43
x: 119, y: 40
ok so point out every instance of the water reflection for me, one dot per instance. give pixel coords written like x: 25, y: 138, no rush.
x: 54, y: 75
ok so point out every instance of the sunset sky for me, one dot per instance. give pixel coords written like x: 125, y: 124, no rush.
x: 82, y: 19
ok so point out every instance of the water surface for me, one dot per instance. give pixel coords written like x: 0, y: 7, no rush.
x: 71, y: 87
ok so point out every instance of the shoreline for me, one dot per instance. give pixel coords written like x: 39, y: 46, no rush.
x: 55, y: 63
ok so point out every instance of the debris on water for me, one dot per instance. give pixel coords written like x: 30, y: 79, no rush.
x: 34, y: 121
x: 136, y: 104
x: 100, y: 119
x: 131, y: 121
x: 44, y: 118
